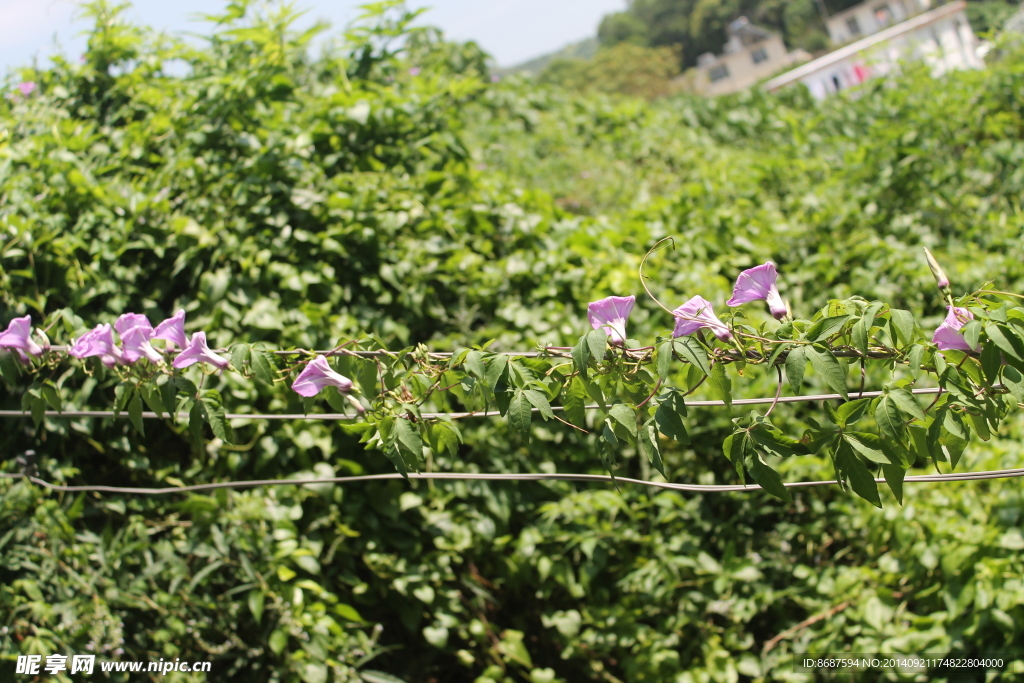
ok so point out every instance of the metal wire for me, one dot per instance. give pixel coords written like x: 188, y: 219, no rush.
x: 453, y: 416
x: 602, y: 478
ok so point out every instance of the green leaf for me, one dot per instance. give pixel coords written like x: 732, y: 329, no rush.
x: 255, y: 601
x: 894, y: 475
x: 914, y: 360
x: 903, y: 324
x: 851, y: 468
x: 980, y: 425
x: 972, y: 333
x: 475, y: 365
x: 581, y: 356
x: 825, y: 364
x: 889, y: 419
x: 597, y: 341
x: 9, y: 368
x: 574, y: 398
x: 991, y: 362
x: 868, y: 452
x: 649, y: 440
x: 219, y: 424
x: 1007, y: 340
x: 540, y: 402
x: 767, y: 478
x: 796, y: 363
x: 52, y: 396
x: 852, y: 411
x: 825, y: 328
x: 691, y: 351
x: 735, y: 447
x: 624, y: 416
x: 445, y: 436
x: 371, y: 676
x: 906, y: 402
x: 859, y: 335
x: 664, y: 359
x: 37, y: 404
x: 168, y: 396
x: 151, y: 395
x: 195, y: 422
x: 669, y: 416
x: 263, y: 366
x: 520, y: 414
x: 122, y: 392
x: 954, y: 447
x: 407, y: 437
x: 721, y: 385
x: 278, y: 641
x: 239, y: 360
x: 776, y: 442
x: 496, y: 374
x: 135, y: 412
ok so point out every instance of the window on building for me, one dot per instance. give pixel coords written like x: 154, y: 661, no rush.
x: 883, y: 15
x: 718, y: 73
x: 853, y: 26
x: 759, y: 55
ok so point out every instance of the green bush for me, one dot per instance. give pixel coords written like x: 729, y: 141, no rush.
x: 389, y: 188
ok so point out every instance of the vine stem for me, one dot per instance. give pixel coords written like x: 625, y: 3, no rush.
x: 778, y: 392
x: 682, y: 316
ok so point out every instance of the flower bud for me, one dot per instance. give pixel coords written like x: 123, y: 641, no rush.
x: 940, y: 277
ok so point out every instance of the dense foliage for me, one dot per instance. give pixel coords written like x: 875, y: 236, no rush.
x: 388, y: 189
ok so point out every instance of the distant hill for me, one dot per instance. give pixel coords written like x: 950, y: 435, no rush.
x: 585, y: 49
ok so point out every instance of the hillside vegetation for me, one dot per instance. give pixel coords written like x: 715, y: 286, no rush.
x: 391, y: 189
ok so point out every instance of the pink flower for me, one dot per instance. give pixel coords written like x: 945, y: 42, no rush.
x: 130, y: 320
x: 317, y: 376
x: 98, y: 342
x: 697, y: 313
x: 136, y: 344
x: 198, y: 352
x: 27, y: 88
x: 415, y: 71
x: 610, y: 314
x: 948, y: 336
x: 758, y: 283
x: 18, y: 336
x: 173, y: 330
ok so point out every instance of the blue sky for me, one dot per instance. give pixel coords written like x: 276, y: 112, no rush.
x: 510, y: 30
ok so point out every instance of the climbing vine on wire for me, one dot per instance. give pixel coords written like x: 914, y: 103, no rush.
x: 975, y: 357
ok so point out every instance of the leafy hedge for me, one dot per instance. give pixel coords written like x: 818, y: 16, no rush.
x: 390, y: 188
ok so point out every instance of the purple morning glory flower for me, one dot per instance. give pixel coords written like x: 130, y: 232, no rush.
x: 18, y: 336
x: 27, y: 88
x: 698, y: 313
x: 98, y: 341
x: 317, y: 376
x: 130, y: 320
x: 173, y: 330
x: 948, y: 336
x: 610, y: 314
x: 135, y: 342
x: 198, y: 352
x: 758, y: 283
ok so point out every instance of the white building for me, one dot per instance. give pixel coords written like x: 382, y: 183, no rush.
x: 750, y: 54
x: 871, y: 17
x: 941, y: 37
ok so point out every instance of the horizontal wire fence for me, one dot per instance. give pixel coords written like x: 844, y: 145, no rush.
x: 463, y: 476
x: 454, y: 416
